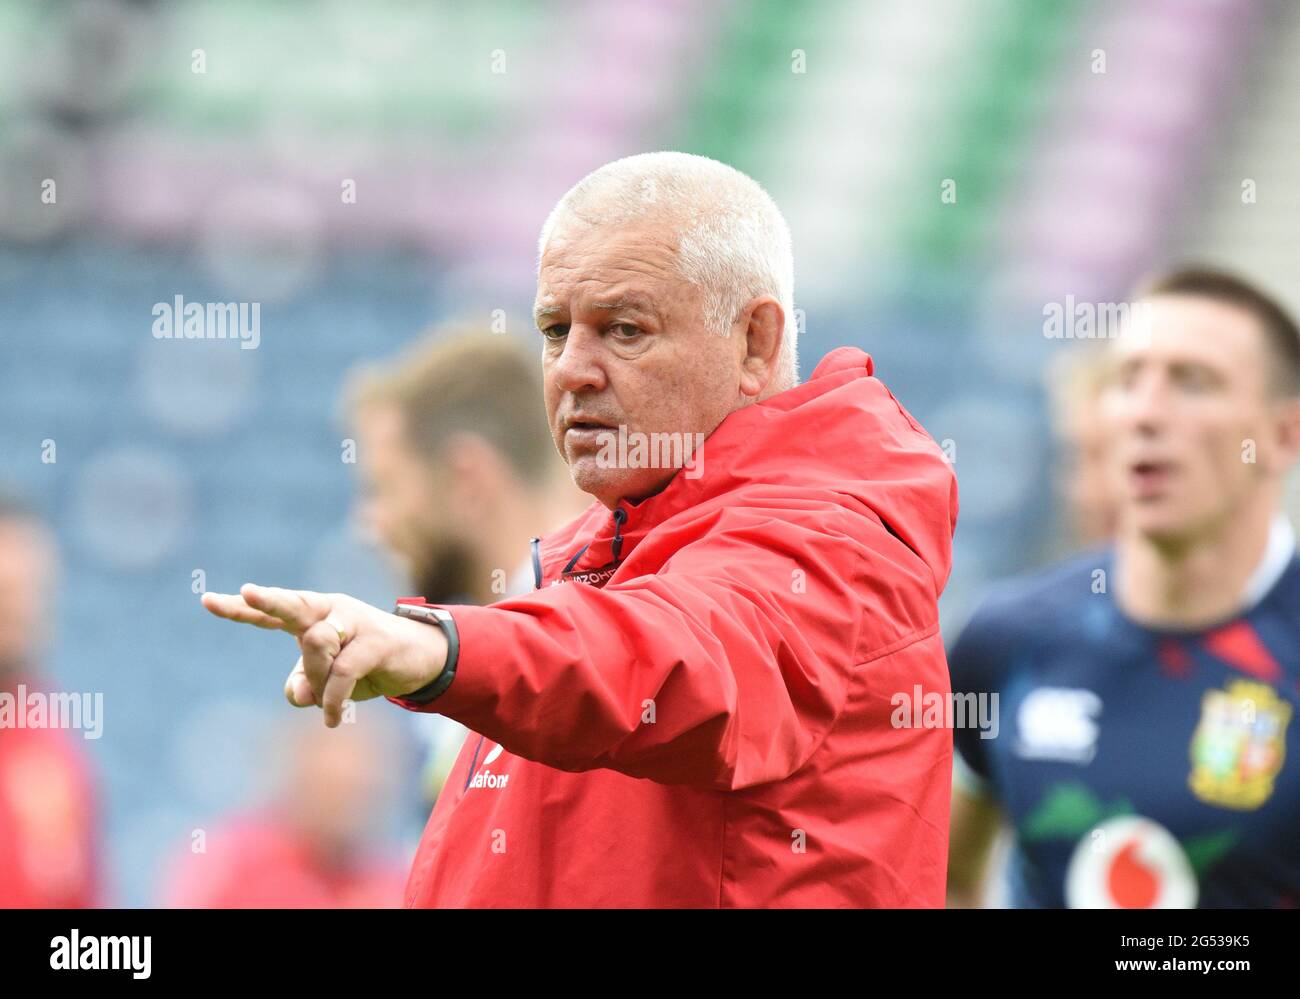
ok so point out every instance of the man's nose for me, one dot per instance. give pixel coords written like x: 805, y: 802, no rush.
x: 1147, y: 407
x: 579, y: 366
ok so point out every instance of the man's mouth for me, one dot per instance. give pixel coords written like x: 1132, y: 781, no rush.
x: 1149, y: 479
x: 585, y: 423
x: 586, y: 432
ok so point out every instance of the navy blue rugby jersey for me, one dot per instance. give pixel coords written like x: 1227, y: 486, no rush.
x: 1138, y: 767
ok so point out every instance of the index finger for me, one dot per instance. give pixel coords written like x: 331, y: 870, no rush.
x: 233, y: 608
x: 297, y: 610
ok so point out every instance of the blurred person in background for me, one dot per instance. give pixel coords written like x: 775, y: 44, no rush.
x: 1083, y: 481
x: 49, y: 844
x: 1147, y: 753
x: 1086, y: 502
x: 459, y: 473
x: 311, y: 845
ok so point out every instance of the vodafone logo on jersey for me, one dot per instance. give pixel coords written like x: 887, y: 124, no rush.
x: 485, y: 777
x: 1130, y: 862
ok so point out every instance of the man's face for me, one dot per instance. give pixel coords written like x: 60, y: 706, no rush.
x: 400, y: 499
x: 625, y: 344
x: 334, y: 791
x: 405, y: 509
x: 1186, y: 404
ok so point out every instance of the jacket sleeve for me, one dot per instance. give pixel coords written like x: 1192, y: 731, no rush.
x: 725, y: 668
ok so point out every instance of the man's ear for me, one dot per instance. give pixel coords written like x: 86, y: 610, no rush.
x: 763, y: 322
x: 1288, y: 431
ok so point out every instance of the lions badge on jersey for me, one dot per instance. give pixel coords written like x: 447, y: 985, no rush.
x: 1239, y: 746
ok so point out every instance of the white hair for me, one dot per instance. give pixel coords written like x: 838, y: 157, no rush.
x: 732, y: 241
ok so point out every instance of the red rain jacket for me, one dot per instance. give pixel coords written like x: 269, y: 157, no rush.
x: 698, y: 713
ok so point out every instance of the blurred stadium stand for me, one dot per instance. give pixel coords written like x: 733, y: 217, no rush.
x: 176, y: 456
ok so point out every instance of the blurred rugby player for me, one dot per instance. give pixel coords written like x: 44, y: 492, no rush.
x: 458, y: 474
x: 457, y: 466
x: 1147, y: 753
x: 1083, y: 479
x: 49, y: 841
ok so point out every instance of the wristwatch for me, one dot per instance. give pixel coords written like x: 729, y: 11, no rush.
x: 444, y: 620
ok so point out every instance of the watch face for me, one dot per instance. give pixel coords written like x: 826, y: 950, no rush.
x: 417, y: 611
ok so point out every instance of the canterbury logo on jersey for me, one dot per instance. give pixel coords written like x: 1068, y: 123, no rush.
x: 1058, y: 723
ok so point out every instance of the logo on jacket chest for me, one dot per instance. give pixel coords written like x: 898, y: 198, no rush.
x: 1058, y: 723
x: 592, y: 577
x: 484, y: 777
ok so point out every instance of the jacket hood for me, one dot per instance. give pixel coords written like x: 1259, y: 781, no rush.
x: 840, y: 433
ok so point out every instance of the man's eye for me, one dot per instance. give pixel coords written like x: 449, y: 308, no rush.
x: 624, y: 331
x: 557, y: 332
x: 1125, y: 377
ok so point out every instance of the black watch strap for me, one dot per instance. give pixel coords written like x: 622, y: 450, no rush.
x: 444, y: 620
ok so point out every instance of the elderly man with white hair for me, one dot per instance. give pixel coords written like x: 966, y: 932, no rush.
x: 722, y: 691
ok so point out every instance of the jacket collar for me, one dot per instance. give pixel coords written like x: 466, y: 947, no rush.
x: 739, y: 450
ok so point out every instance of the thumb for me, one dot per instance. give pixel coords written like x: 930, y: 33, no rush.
x: 297, y: 688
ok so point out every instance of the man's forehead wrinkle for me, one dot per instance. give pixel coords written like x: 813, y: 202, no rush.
x: 548, y: 301
x: 607, y: 300
x: 617, y: 267
x: 640, y: 302
x: 628, y: 270
x: 630, y: 287
x: 607, y: 281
